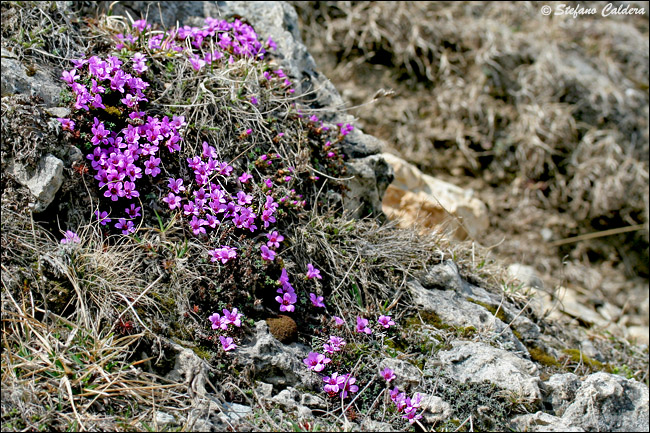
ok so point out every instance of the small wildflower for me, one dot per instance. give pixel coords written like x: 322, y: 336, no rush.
x: 245, y: 177
x: 387, y: 374
x: 218, y: 322
x: 274, y: 239
x: 316, y: 361
x: 66, y: 124
x: 70, y: 237
x: 338, y: 320
x: 362, y: 326
x: 386, y: 321
x: 267, y: 254
x: 227, y: 343
x: 348, y: 386
x: 233, y: 318
x: 333, y: 383
x: 102, y: 217
x: 313, y: 272
x: 317, y: 301
x: 335, y: 344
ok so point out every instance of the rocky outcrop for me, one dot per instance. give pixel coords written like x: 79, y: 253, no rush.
x: 417, y: 199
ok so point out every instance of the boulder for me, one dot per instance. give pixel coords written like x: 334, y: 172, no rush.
x: 15, y: 79
x: 607, y: 402
x: 541, y: 422
x: 277, y: 364
x: 478, y: 362
x: 417, y: 199
x: 560, y: 390
x: 43, y: 182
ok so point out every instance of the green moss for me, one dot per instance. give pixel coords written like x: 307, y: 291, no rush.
x: 500, y: 314
x: 202, y: 353
x: 594, y: 365
x: 541, y: 357
x: 428, y: 317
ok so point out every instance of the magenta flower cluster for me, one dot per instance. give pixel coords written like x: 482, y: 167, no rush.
x: 406, y: 405
x: 121, y: 157
x: 217, y: 40
x: 223, y: 322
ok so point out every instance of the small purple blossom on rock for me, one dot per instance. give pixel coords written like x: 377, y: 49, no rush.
x: 387, y: 374
x: 227, y: 343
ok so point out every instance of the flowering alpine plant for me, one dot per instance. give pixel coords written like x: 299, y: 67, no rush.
x: 407, y: 405
x: 385, y: 321
x: 362, y: 326
x: 317, y: 301
x: 313, y: 272
x: 70, y: 237
x: 316, y: 361
x: 335, y: 344
x: 387, y: 374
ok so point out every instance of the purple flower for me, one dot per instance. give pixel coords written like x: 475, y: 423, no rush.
x: 313, y: 272
x: 335, y: 344
x: 197, y: 62
x: 141, y: 25
x: 66, y: 124
x: 172, y: 200
x: 317, y: 301
x: 227, y: 343
x: 218, y: 322
x: 338, y: 320
x: 102, y: 217
x: 176, y: 185
x: 333, y: 383
x: 70, y: 76
x: 385, y: 321
x: 243, y: 198
x: 254, y: 100
x: 286, y: 301
x: 133, y: 211
x: 70, y: 237
x: 362, y: 326
x: 387, y: 374
x: 316, y: 361
x: 245, y: 177
x: 348, y: 385
x: 114, y: 191
x: 232, y: 318
x: 267, y: 254
x: 274, y: 239
x: 225, y: 253
x: 126, y: 226
x: 197, y: 224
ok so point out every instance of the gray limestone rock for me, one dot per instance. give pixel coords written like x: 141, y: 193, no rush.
x: 453, y: 309
x: 434, y: 409
x: 15, y: 80
x: 607, y: 402
x: 560, y: 390
x: 541, y: 422
x: 276, y: 363
x: 43, y: 182
x: 478, y: 362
